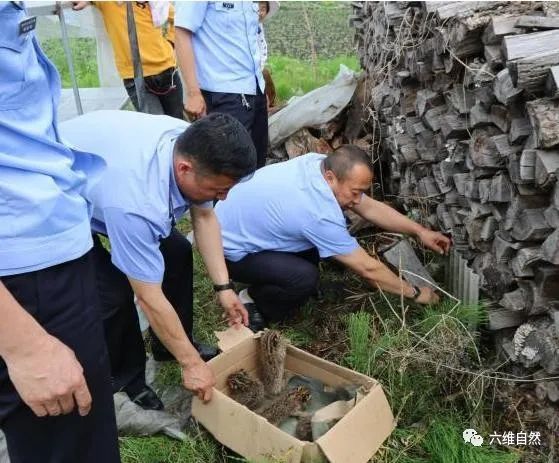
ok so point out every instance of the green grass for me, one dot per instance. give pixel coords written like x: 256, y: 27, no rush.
x: 197, y: 448
x: 291, y: 76
x: 296, y: 77
x: 85, y: 60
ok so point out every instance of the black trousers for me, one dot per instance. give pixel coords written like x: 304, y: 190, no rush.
x: 63, y: 299
x: 279, y: 282
x: 253, y: 115
x: 120, y: 318
x: 163, y: 93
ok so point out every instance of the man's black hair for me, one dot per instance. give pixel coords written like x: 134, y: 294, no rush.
x: 219, y: 145
x: 344, y: 158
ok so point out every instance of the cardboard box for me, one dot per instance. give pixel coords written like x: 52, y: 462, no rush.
x: 354, y: 439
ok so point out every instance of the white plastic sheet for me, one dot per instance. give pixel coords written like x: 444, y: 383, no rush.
x: 316, y: 107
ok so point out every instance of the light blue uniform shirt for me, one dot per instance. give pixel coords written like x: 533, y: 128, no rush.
x: 225, y: 42
x: 137, y: 198
x: 44, y: 217
x: 286, y: 207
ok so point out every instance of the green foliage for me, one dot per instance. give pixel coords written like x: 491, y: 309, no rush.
x: 359, y: 356
x: 198, y: 448
x: 296, y: 77
x: 444, y: 443
x: 84, y: 59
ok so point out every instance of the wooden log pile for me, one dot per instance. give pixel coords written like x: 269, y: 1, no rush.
x: 462, y: 97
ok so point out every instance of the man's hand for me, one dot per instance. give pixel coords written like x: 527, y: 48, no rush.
x: 434, y: 240
x: 77, y: 6
x: 195, y: 108
x: 199, y: 378
x: 234, y: 309
x: 50, y: 380
x: 427, y: 296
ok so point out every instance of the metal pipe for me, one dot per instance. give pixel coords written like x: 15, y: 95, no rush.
x: 69, y: 57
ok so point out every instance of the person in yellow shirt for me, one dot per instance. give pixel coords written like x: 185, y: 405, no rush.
x: 155, y: 31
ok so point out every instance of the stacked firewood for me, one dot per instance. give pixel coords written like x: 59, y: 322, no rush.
x: 461, y: 101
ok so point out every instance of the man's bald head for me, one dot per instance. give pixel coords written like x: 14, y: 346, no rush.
x: 349, y: 173
x: 344, y: 158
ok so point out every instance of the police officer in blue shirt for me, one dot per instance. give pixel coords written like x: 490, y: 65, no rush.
x: 55, y: 397
x: 158, y: 167
x: 273, y: 242
x: 219, y: 58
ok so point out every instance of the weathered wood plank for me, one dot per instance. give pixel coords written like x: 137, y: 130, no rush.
x: 530, y: 73
x: 520, y: 128
x: 552, y: 82
x: 500, y: 117
x: 521, y: 46
x: 504, y: 89
x: 544, y: 117
x: 427, y: 99
x: 432, y: 118
x: 528, y: 165
x: 546, y: 168
x: 550, y: 248
x: 531, y: 226
x: 493, y: 55
x: 461, y: 9
x: 538, y: 22
x: 498, y: 27
x: 479, y: 116
x: 461, y: 99
x: 454, y: 126
x: 520, y: 203
x: 521, y: 263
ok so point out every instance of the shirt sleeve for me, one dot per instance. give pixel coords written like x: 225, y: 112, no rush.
x: 190, y: 15
x: 329, y: 237
x: 134, y: 246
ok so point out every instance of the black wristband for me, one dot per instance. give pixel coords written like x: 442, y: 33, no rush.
x: 224, y: 287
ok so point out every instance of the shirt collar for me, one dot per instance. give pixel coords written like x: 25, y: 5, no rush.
x: 177, y: 199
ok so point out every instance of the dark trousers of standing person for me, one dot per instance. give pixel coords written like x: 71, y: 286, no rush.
x: 249, y: 110
x: 122, y: 327
x: 63, y: 300
x: 279, y: 282
x: 163, y: 93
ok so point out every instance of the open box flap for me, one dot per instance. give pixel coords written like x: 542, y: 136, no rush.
x: 359, y: 434
x: 232, y: 336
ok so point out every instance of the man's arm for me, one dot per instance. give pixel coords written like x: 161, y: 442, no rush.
x: 390, y: 219
x: 45, y: 372
x: 207, y: 233
x: 379, y: 275
x: 195, y: 105
x: 163, y: 319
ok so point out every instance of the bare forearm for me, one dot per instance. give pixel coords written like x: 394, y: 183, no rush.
x: 17, y: 327
x: 185, y: 60
x: 386, y: 217
x: 164, y: 321
x: 380, y: 276
x: 208, y: 240
x: 376, y: 273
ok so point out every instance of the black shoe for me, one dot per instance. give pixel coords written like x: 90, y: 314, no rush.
x: 255, y: 319
x: 146, y: 398
x: 206, y: 351
x: 161, y: 354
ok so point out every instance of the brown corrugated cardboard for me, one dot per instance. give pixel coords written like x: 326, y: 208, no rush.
x: 354, y: 439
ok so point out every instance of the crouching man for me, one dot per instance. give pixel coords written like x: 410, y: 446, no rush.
x: 278, y: 225
x: 159, y: 167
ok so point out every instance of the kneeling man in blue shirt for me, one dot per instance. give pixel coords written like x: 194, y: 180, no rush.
x: 279, y: 224
x: 158, y: 167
